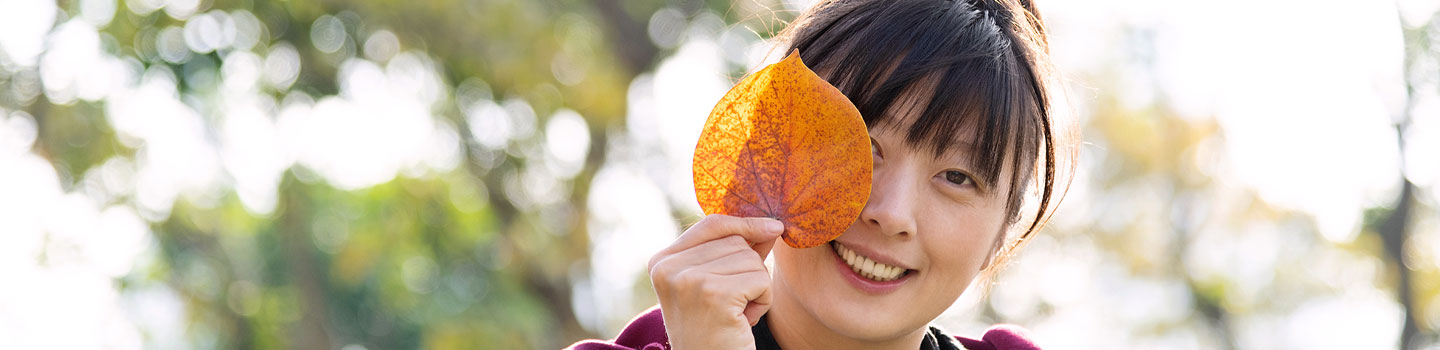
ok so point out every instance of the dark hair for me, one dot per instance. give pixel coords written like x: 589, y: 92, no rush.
x: 983, y: 66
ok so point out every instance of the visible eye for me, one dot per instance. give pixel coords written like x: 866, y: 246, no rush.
x: 959, y: 178
x: 874, y: 148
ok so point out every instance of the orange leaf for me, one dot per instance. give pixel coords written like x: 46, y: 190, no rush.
x: 785, y: 144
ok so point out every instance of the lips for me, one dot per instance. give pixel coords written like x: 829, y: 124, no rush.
x: 865, y: 266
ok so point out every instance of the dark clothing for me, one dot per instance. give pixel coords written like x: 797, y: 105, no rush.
x: 647, y: 332
x: 934, y: 340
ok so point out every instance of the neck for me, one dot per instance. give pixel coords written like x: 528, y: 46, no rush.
x: 797, y: 329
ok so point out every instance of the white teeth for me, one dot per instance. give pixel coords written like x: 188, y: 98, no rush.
x: 866, y: 267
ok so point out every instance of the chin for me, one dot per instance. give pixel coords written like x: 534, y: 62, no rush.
x: 859, y: 322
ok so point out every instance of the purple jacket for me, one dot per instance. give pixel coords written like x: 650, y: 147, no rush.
x: 647, y: 332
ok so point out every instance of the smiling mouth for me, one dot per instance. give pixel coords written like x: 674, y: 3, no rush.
x: 865, y: 267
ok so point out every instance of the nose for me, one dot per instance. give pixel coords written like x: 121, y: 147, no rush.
x: 893, y: 199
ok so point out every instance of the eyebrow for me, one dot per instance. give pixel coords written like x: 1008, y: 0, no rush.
x: 964, y: 152
x: 958, y: 150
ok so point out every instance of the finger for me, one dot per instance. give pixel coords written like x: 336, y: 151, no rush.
x: 737, y: 262
x: 714, y: 226
x: 756, y: 309
x: 704, y: 252
x: 756, y: 287
x: 727, y: 245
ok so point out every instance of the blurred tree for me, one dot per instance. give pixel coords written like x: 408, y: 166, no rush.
x: 1397, y: 223
x: 480, y: 256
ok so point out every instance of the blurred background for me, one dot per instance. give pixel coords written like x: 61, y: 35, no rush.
x: 463, y: 174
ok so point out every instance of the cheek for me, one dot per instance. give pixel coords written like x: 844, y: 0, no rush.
x: 962, y: 237
x: 800, y: 261
x: 802, y: 270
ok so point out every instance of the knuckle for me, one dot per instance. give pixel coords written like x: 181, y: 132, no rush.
x: 655, y: 261
x: 681, y: 278
x: 719, y: 220
x: 705, y: 224
x: 712, y: 290
x: 752, y: 281
x: 708, y: 220
x: 664, y: 274
x: 659, y: 281
x: 658, y: 271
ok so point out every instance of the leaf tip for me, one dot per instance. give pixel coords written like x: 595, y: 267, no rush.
x: 794, y: 57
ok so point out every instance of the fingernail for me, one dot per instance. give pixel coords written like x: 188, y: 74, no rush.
x: 774, y: 226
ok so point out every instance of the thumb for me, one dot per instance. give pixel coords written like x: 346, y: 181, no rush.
x: 768, y: 230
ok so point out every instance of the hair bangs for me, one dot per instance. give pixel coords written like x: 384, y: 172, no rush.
x: 947, y: 75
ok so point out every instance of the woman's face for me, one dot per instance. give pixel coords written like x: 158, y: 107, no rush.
x: 928, y: 219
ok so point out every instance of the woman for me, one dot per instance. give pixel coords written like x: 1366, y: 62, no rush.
x: 954, y: 94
